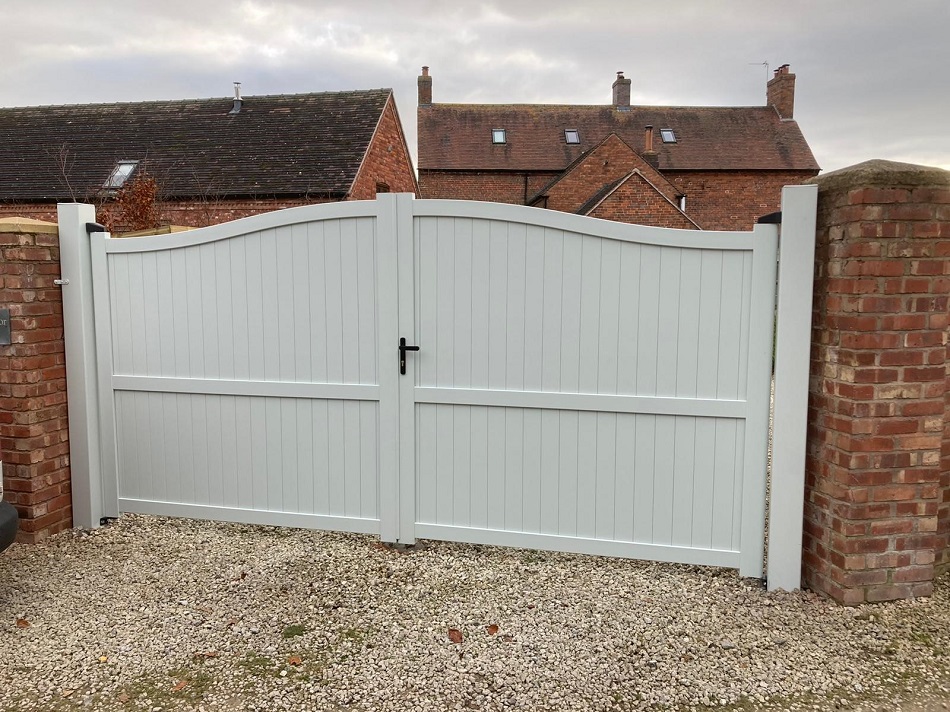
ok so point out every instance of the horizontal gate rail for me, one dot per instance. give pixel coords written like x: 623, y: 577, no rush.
x: 277, y: 389
x: 701, y: 407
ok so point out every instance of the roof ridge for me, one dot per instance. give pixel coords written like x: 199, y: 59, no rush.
x: 244, y: 97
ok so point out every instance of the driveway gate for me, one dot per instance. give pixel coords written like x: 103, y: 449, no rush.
x: 439, y: 369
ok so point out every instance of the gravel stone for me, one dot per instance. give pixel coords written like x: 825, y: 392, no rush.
x: 159, y: 614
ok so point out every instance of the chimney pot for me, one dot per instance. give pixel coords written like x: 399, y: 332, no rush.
x: 238, y: 102
x: 425, y: 71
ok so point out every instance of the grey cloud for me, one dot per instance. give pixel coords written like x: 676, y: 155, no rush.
x: 871, y: 73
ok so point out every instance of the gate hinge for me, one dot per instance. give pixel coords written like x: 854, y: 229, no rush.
x: 106, y: 521
x: 92, y: 227
x: 771, y: 219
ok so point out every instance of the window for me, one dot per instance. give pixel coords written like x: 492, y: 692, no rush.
x: 668, y: 136
x: 498, y: 136
x: 572, y: 136
x: 120, y: 174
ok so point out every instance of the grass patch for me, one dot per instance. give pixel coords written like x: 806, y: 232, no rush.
x: 292, y: 631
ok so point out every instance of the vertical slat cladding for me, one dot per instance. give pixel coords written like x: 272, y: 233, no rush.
x: 649, y: 319
x: 534, y: 309
x: 667, y: 345
x: 498, y: 305
x: 241, y: 330
x: 366, y: 265
x: 209, y: 311
x: 138, y: 317
x: 427, y: 321
x: 461, y: 466
x: 478, y: 475
x: 462, y: 321
x: 481, y: 278
x: 571, y: 284
x: 515, y: 331
x: 444, y: 462
x: 495, y: 481
x: 605, y: 482
x: 445, y: 312
x: 285, y: 307
x: 609, y: 331
x: 224, y: 323
x: 333, y: 279
x: 173, y: 459
x: 629, y: 326
x: 745, y: 333
x: 688, y: 352
x: 253, y: 278
x: 591, y: 272
x: 626, y: 476
x: 303, y: 282
x: 552, y: 301
x: 270, y: 326
x: 349, y: 267
x: 531, y: 472
x: 319, y: 330
x: 730, y: 323
x: 710, y: 317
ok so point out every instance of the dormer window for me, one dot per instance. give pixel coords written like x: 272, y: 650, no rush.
x: 667, y: 135
x: 120, y: 174
x: 572, y: 136
x: 498, y: 136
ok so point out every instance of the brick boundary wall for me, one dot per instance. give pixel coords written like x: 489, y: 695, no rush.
x: 876, y: 512
x: 34, y: 431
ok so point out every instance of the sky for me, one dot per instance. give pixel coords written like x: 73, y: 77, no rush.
x: 873, y: 76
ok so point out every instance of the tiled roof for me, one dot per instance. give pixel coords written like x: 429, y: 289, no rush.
x: 289, y: 144
x: 458, y: 136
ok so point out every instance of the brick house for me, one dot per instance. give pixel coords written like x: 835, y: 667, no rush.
x: 214, y: 160
x: 715, y: 168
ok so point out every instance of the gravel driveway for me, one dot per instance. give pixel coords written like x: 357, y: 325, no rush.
x: 157, y: 614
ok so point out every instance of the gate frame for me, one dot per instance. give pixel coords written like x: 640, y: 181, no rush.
x: 93, y: 443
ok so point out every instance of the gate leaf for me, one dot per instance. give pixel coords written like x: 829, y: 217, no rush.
x: 455, y: 635
x: 22, y: 623
x: 492, y: 629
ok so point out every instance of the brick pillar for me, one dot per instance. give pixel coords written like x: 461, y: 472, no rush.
x: 34, y: 434
x: 878, y: 386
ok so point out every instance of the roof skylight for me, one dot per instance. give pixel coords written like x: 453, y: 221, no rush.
x: 498, y: 136
x: 120, y: 174
x: 668, y: 136
x: 572, y: 136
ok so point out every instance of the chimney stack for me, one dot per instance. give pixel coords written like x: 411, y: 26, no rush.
x: 621, y: 89
x: 780, y: 92
x: 649, y: 153
x: 425, y: 88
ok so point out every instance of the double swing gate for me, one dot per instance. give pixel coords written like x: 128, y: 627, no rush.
x: 429, y: 369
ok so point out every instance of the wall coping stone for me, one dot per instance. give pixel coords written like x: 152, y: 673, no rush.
x: 878, y: 172
x: 27, y: 225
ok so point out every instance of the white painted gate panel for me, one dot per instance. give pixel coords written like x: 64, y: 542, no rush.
x: 245, y: 370
x: 581, y: 385
x: 589, y: 386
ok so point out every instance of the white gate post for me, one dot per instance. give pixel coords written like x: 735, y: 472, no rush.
x: 796, y: 270
x: 81, y: 367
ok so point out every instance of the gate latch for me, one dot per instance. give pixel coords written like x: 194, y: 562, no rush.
x: 402, y: 354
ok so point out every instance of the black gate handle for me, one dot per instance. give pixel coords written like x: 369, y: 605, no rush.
x: 402, y: 354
